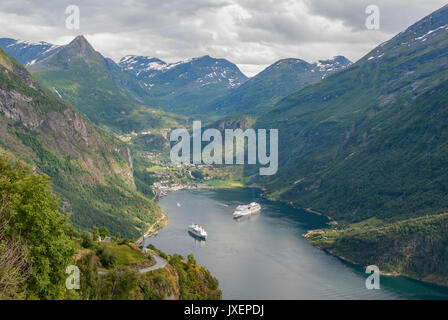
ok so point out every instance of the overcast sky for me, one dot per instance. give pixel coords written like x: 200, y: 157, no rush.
x: 251, y: 33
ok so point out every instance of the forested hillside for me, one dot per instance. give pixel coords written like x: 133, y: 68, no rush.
x: 97, y: 87
x: 370, y: 140
x: 89, y: 169
x: 368, y: 147
x: 415, y: 247
x: 277, y: 81
x: 38, y: 243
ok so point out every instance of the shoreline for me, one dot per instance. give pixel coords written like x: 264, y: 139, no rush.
x: 330, y: 222
x: 386, y: 274
x: 154, y: 228
x: 165, y: 220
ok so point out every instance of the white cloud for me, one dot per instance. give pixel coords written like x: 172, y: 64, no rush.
x: 250, y: 33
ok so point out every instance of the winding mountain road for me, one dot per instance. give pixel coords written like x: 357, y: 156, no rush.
x: 160, y: 263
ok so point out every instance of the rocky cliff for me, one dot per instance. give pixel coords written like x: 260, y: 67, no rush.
x: 90, y: 170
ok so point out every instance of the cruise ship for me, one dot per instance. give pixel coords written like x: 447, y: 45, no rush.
x: 197, y: 231
x: 246, y: 209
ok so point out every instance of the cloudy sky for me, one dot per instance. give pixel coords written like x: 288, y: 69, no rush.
x: 251, y: 33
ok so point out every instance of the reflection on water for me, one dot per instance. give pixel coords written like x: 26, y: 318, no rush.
x: 264, y: 256
x: 250, y: 217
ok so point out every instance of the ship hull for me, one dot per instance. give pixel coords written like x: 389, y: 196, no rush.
x: 246, y: 213
x: 197, y: 236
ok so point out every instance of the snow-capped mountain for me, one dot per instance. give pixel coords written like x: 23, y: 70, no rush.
x: 186, y: 85
x: 275, y: 82
x: 331, y: 65
x: 191, y: 86
x: 137, y: 64
x: 28, y: 52
x: 181, y: 86
x: 202, y: 71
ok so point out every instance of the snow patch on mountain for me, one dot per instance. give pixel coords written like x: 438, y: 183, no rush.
x: 140, y: 63
x: 28, y: 52
x: 204, y: 71
x: 431, y: 32
x: 331, y: 65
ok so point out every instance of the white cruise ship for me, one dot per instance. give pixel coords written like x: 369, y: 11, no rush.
x: 197, y: 231
x: 246, y: 209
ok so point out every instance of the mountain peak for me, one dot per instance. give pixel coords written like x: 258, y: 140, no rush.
x: 80, y: 38
x: 336, y: 60
x: 290, y: 61
x: 81, y: 45
x: 78, y: 49
x: 137, y: 64
x: 28, y: 52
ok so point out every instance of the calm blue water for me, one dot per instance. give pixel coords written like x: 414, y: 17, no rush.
x: 265, y: 256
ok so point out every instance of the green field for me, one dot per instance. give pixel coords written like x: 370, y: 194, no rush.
x: 127, y: 255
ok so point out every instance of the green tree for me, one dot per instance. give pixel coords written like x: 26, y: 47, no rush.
x: 95, y: 233
x: 107, y: 257
x: 14, y: 270
x: 120, y: 284
x: 88, y: 267
x: 34, y: 219
x: 103, y: 232
x: 87, y: 240
x: 191, y: 260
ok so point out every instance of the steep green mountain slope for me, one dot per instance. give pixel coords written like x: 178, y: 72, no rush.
x: 179, y: 279
x: 274, y: 83
x: 90, y: 170
x: 131, y: 95
x: 35, y: 243
x: 415, y: 247
x: 97, y: 87
x: 38, y: 244
x: 370, y: 140
x: 184, y: 87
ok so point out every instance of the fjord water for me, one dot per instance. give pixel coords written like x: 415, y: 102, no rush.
x: 265, y: 256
